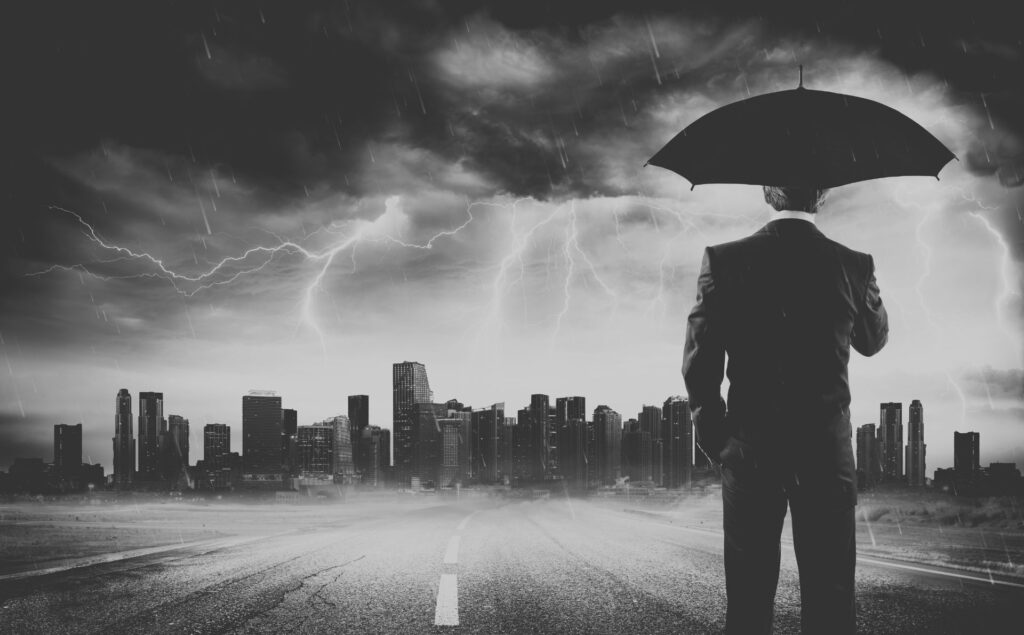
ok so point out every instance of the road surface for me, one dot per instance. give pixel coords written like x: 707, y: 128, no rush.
x: 544, y: 566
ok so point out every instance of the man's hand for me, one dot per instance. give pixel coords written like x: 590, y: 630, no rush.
x: 704, y: 365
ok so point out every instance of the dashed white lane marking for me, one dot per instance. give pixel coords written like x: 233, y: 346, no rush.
x: 447, y: 611
x: 451, y: 556
x: 462, y: 525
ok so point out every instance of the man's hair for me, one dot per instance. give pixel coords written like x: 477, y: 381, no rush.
x: 797, y: 199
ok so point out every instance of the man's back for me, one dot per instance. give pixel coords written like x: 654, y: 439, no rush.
x: 785, y: 303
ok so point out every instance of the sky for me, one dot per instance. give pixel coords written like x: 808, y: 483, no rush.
x: 209, y: 198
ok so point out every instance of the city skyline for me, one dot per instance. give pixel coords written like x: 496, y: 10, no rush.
x: 879, y: 444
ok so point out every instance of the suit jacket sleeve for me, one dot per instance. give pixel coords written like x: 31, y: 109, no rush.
x: 871, y: 326
x: 704, y: 364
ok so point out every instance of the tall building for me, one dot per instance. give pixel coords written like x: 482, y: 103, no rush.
x: 220, y: 468
x: 426, y: 442
x: 607, y: 445
x: 636, y: 453
x: 314, y: 450
x: 67, y: 451
x: 124, y: 440
x: 541, y: 431
x: 890, y: 431
x: 915, y: 463
x: 359, y: 419
x: 573, y: 456
x: 261, y: 436
x: 650, y: 422
x: 289, y: 428
x: 869, y: 462
x: 677, y: 442
x: 451, y: 430
x: 487, y: 424
x: 966, y: 456
x: 174, y: 449
x: 344, y: 463
x: 566, y: 409
x: 216, y: 444
x: 151, y: 426
x: 409, y: 387
x: 375, y: 453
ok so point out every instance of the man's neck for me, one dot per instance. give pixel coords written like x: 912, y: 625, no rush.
x: 810, y: 218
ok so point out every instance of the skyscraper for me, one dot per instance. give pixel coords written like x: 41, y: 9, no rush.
x: 124, y: 440
x: 359, y: 419
x: 869, y: 463
x: 261, y: 436
x: 174, y: 449
x: 540, y: 429
x: 677, y: 441
x: 650, y: 422
x: 915, y: 445
x: 409, y: 387
x: 216, y: 444
x: 376, y: 446
x: 151, y: 426
x: 890, y: 424
x: 289, y: 428
x: 636, y: 453
x: 607, y: 445
x: 314, y: 450
x: 487, y: 425
x: 344, y: 463
x: 567, y: 409
x: 966, y: 456
x: 67, y: 451
x: 451, y: 430
x: 220, y: 467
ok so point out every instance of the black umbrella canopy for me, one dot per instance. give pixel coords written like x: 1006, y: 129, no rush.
x: 802, y: 137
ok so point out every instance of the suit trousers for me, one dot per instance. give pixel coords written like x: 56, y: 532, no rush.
x: 754, y: 502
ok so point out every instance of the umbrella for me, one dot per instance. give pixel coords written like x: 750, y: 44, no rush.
x: 801, y: 137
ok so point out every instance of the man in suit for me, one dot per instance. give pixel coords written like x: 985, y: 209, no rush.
x: 785, y: 304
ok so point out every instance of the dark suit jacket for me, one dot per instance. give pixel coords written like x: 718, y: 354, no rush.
x: 785, y: 304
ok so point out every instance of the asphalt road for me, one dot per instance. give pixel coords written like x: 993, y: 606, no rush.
x: 555, y: 566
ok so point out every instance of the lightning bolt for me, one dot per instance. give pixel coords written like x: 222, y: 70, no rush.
x: 222, y: 272
x: 1004, y: 272
x: 1006, y: 292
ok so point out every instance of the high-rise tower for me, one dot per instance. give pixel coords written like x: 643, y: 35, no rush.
x: 966, y: 456
x: 890, y: 431
x: 359, y: 420
x: 869, y: 462
x: 409, y: 387
x: 67, y: 451
x: 151, y: 426
x: 261, y: 436
x: 607, y: 444
x: 677, y: 441
x: 915, y: 445
x: 124, y: 440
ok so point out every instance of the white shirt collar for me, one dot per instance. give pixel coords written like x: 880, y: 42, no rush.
x: 810, y: 218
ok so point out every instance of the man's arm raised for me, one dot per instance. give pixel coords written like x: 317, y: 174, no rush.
x: 871, y: 326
